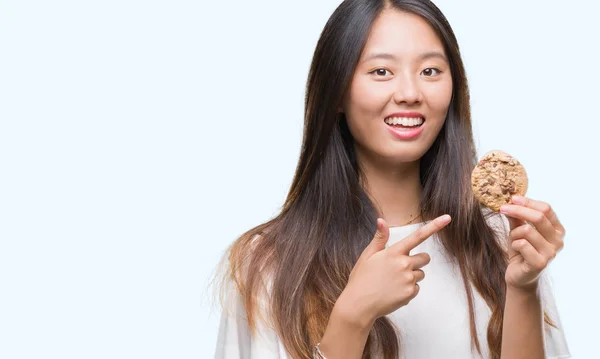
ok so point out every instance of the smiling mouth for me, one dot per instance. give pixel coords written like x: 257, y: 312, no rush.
x: 405, y: 122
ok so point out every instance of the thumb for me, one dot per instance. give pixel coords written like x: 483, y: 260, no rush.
x: 382, y: 235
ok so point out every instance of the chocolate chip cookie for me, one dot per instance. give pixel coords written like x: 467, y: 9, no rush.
x: 496, y: 178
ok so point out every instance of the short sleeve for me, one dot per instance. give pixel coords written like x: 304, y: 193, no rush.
x: 555, y: 341
x: 234, y: 340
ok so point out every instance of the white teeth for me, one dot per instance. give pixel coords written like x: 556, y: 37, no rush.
x: 404, y: 121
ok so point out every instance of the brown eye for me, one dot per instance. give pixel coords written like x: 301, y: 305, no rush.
x: 429, y: 72
x: 379, y: 72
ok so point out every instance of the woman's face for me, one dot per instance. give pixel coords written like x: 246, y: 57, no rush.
x: 403, y: 72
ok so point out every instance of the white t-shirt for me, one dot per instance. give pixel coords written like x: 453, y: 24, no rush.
x: 435, y: 324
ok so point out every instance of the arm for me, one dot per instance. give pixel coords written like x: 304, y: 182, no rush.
x: 536, y: 236
x: 345, y: 335
x: 382, y: 280
x: 522, y: 332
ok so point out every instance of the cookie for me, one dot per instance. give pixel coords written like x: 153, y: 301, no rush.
x: 496, y: 178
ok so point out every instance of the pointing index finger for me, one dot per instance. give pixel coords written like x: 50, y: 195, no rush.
x: 420, y: 235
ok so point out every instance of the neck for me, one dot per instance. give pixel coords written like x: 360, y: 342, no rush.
x: 395, y: 189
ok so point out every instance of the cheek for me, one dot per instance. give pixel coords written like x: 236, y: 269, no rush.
x: 439, y: 97
x: 366, y: 99
x: 364, y: 107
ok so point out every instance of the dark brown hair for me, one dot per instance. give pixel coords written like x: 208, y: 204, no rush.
x: 305, y: 254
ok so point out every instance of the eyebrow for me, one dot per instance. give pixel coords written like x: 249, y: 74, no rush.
x: 388, y: 56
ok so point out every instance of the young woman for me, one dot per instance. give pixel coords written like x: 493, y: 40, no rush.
x: 381, y: 199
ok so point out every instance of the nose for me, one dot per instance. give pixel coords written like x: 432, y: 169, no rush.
x: 408, y: 91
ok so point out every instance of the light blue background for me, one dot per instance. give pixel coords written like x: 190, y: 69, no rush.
x: 139, y: 138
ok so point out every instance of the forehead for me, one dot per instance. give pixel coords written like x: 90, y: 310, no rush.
x: 403, y: 34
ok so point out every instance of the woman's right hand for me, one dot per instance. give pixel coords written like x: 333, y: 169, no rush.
x: 385, y: 279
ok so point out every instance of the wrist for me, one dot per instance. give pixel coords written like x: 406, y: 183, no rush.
x: 347, y: 311
x: 347, y: 330
x: 531, y: 290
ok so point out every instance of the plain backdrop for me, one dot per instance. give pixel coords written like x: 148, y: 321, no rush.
x: 138, y: 139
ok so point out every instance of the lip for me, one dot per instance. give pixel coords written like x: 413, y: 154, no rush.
x: 406, y: 134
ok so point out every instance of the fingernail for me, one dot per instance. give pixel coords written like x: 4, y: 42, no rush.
x: 518, y: 200
x: 504, y: 209
x: 445, y: 218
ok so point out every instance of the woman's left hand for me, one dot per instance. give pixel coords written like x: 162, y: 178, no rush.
x: 533, y: 245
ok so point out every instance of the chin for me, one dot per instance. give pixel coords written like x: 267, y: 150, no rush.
x: 406, y: 153
x: 401, y: 158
